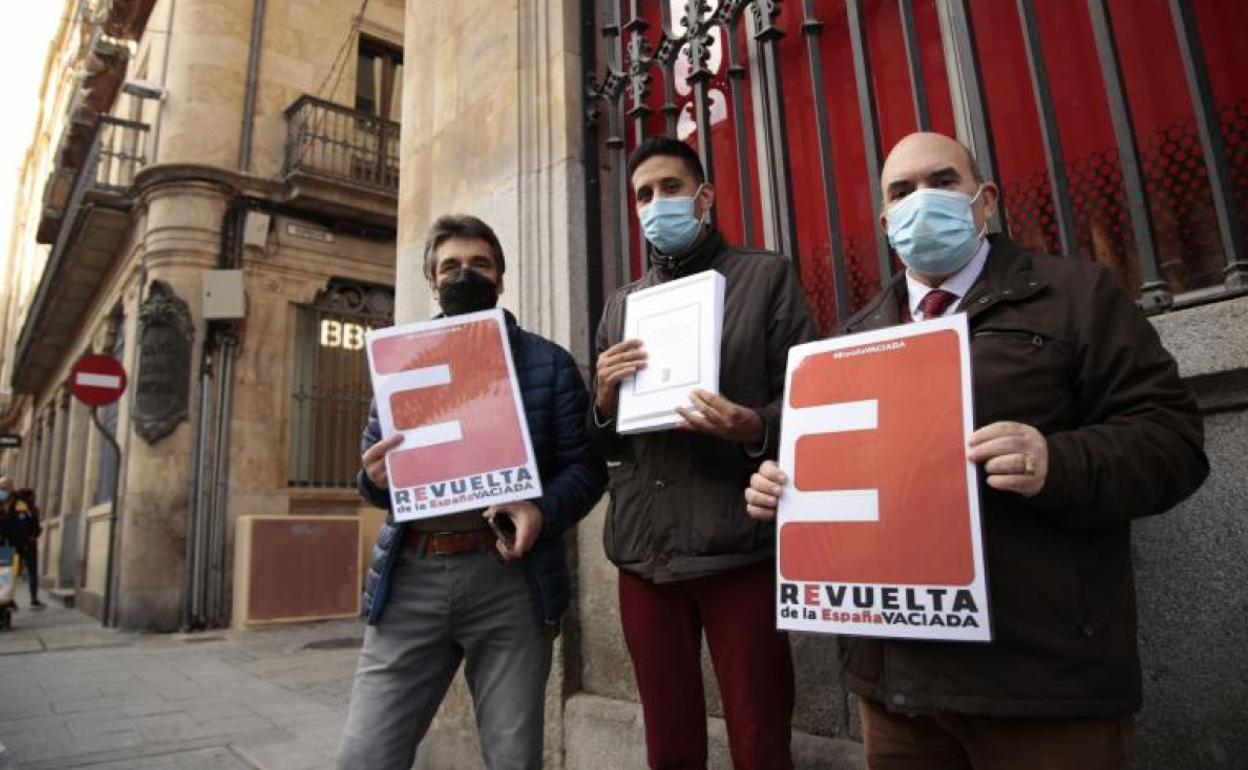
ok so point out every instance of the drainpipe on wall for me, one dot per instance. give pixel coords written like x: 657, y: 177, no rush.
x: 117, y: 506
x: 109, y: 610
x: 218, y: 588
x: 193, y: 606
x: 194, y: 610
x: 164, y: 82
x: 205, y: 586
x: 206, y: 589
x: 218, y: 605
x: 249, y: 96
x: 212, y: 569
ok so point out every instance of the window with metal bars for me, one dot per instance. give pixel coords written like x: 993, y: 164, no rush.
x: 331, y: 390
x: 1116, y: 130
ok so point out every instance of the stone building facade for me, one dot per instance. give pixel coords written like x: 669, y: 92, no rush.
x: 211, y: 199
x: 521, y: 111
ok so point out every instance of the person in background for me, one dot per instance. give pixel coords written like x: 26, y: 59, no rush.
x: 22, y: 530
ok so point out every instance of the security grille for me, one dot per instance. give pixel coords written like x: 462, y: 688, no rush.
x: 331, y: 396
x: 1101, y: 152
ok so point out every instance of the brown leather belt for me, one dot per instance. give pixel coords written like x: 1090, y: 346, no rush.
x: 448, y: 543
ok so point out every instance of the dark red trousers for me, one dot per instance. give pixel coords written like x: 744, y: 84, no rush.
x: 663, y: 626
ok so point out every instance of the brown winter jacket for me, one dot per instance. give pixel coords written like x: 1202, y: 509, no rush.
x: 1057, y: 344
x: 677, y: 499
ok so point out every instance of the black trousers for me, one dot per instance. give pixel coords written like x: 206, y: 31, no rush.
x: 29, y: 554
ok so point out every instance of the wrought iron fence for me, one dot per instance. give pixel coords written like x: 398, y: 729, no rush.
x: 791, y: 106
x: 329, y: 140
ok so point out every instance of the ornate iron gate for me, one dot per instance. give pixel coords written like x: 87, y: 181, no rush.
x: 1115, y: 128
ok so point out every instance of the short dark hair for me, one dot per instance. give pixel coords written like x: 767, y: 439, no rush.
x: 667, y: 147
x: 460, y: 226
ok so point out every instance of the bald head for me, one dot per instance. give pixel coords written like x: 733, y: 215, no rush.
x: 927, y: 159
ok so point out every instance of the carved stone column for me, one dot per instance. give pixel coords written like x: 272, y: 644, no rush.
x: 163, y: 329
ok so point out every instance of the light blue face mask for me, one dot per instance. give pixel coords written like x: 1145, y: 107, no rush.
x: 4, y: 495
x: 933, y: 231
x: 670, y: 225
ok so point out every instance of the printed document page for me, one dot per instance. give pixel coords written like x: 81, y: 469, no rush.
x: 680, y: 325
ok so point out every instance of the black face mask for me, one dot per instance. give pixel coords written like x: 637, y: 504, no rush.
x: 467, y: 291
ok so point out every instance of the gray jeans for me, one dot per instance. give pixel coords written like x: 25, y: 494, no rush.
x: 441, y: 610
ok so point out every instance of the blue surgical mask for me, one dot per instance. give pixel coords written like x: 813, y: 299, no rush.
x: 933, y: 231
x: 4, y: 495
x: 670, y: 225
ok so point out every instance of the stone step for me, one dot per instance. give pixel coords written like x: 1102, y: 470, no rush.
x: 63, y: 595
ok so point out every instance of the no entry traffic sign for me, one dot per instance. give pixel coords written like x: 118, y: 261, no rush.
x: 97, y: 379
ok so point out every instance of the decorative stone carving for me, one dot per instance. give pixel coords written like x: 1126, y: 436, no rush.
x: 163, y: 387
x: 345, y: 296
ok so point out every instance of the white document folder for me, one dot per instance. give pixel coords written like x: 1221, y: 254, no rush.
x: 680, y: 325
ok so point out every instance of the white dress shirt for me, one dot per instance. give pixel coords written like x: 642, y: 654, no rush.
x: 957, y: 284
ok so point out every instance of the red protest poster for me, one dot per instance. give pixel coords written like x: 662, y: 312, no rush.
x: 879, y: 527
x: 449, y: 387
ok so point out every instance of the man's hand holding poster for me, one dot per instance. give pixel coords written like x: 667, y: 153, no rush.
x: 879, y: 522
x: 449, y: 387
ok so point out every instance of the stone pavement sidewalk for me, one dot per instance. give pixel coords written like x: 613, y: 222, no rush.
x: 76, y: 695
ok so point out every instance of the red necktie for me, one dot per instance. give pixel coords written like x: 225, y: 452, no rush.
x: 935, y: 302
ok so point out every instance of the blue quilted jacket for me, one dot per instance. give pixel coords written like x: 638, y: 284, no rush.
x: 573, y: 476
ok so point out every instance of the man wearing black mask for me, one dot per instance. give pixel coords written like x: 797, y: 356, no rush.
x: 444, y: 590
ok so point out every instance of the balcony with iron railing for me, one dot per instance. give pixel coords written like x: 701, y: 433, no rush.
x: 117, y: 149
x: 342, y: 161
x: 90, y: 208
x: 118, y: 153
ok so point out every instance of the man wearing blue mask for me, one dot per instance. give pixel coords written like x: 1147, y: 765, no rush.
x: 1082, y: 426
x: 691, y: 560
